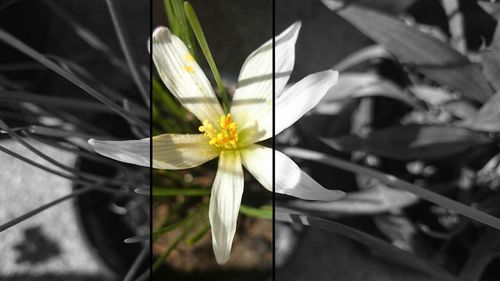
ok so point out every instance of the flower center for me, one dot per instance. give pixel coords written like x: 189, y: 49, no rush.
x: 226, y: 137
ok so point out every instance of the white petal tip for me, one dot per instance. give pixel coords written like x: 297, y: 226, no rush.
x: 131, y: 151
x: 333, y: 195
x: 296, y: 25
x: 159, y: 30
x: 221, y: 260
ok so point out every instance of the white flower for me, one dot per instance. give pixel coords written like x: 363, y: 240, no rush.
x: 232, y: 137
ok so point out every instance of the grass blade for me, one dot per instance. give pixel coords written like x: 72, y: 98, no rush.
x: 25, y: 49
x: 44, y: 207
x: 379, y: 246
x: 137, y: 263
x: 163, y: 192
x: 132, y: 64
x: 87, y: 35
x: 265, y: 212
x: 393, y: 181
x: 202, y: 41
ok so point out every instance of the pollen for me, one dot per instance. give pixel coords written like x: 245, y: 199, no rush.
x: 188, y: 57
x: 224, y: 136
x: 189, y: 68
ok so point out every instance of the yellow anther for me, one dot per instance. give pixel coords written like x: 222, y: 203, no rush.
x: 224, y: 137
x: 188, y: 57
x: 189, y: 68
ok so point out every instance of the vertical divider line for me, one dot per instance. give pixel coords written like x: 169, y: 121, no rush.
x: 151, y: 66
x: 274, y: 145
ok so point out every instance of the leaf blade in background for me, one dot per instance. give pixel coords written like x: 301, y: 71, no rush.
x: 378, y: 246
x: 432, y: 57
x: 411, y: 142
x: 491, y: 8
x: 378, y: 199
x: 487, y: 119
x: 431, y: 95
x: 490, y: 59
x: 423, y: 193
x: 365, y: 54
x: 360, y: 85
x: 482, y: 253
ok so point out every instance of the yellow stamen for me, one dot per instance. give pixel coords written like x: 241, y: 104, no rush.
x: 189, y: 69
x: 225, y: 137
x: 188, y: 57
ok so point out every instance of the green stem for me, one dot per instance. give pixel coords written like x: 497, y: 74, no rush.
x: 163, y: 192
x: 202, y: 41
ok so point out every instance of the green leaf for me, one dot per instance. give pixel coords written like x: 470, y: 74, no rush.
x: 265, y: 212
x: 202, y: 41
x: 168, y: 228
x: 162, y: 192
x: 179, y: 25
x: 171, y: 17
x: 186, y: 221
x: 166, y: 100
x: 412, y: 142
x: 183, y: 236
x: 199, y: 235
x: 427, y: 54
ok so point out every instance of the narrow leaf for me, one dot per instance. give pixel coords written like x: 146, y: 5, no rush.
x: 490, y: 59
x: 481, y: 255
x: 376, y: 200
x: 391, y: 180
x: 488, y: 117
x: 199, y: 235
x: 432, y: 57
x: 381, y: 247
x: 359, y: 85
x: 262, y: 213
x: 160, y: 192
x: 202, y: 41
x: 412, y: 142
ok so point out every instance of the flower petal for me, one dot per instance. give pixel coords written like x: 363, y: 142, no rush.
x: 130, y: 151
x: 183, y: 77
x: 253, y: 97
x: 291, y: 180
x: 285, y: 56
x: 175, y: 152
x: 258, y: 160
x: 225, y: 201
x: 253, y: 100
x: 302, y: 97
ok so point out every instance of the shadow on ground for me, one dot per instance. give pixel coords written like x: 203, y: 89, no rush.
x: 36, y: 247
